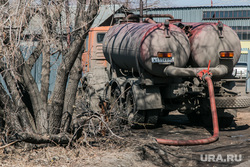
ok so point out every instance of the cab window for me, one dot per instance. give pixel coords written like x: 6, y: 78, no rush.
x: 86, y: 43
x: 100, y: 37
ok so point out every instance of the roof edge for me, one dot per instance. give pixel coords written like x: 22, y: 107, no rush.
x: 193, y: 7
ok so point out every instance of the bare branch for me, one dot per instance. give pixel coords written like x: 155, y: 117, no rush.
x: 35, y: 55
x: 9, y: 144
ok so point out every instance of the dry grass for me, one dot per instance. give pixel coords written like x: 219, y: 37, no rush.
x: 80, y: 156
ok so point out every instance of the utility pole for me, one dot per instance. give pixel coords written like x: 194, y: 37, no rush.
x: 141, y: 10
x: 112, y: 4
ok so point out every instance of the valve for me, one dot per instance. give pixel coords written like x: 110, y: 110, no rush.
x: 166, y: 24
x: 204, y: 73
x: 220, y: 27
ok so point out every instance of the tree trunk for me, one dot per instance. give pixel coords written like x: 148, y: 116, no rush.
x: 28, y: 112
x: 70, y: 95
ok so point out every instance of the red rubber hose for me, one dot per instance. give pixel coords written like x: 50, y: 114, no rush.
x: 215, y: 136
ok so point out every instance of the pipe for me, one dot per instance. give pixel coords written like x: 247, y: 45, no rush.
x: 149, y: 16
x: 211, y: 139
x: 172, y: 71
x: 132, y: 16
x: 148, y: 20
x: 159, y: 15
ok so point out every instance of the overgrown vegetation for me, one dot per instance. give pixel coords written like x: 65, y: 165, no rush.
x: 29, y: 112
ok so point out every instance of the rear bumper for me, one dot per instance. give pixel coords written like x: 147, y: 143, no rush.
x: 173, y: 71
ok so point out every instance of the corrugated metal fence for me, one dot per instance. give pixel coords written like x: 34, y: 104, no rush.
x: 55, y: 60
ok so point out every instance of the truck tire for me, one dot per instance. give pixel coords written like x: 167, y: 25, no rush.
x: 152, y: 116
x: 232, y: 102
x: 116, y: 103
x: 91, y: 99
x: 135, y: 117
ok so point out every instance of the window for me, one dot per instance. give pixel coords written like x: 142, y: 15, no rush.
x: 240, y: 35
x: 212, y: 15
x: 230, y: 14
x: 217, y: 15
x: 208, y: 14
x: 233, y: 27
x: 100, y: 37
x: 240, y: 14
x: 242, y: 31
x: 244, y: 13
x: 235, y: 14
x: 86, y: 43
x: 226, y: 14
x: 222, y: 14
x: 244, y: 36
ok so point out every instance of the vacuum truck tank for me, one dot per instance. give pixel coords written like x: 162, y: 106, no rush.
x: 209, y: 42
x: 212, y: 41
x: 150, y: 46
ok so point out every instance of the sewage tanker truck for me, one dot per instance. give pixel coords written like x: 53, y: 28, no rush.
x: 155, y: 68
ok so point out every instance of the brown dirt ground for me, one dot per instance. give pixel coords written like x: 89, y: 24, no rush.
x: 140, y: 149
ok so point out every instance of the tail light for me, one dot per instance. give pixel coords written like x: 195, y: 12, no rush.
x: 226, y: 54
x: 164, y: 55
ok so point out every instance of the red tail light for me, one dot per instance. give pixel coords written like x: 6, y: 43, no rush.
x: 164, y: 54
x: 226, y: 54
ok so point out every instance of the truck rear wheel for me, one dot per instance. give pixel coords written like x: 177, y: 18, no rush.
x: 152, y: 116
x: 139, y: 117
x: 116, y: 103
x: 134, y: 117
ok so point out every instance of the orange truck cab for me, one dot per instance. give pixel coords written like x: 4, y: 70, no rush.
x: 93, y: 55
x: 95, y: 68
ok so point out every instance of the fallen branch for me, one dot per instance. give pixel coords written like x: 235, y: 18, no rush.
x: 41, y: 139
x: 7, y: 145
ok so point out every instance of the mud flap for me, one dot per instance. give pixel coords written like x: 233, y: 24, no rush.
x: 147, y: 98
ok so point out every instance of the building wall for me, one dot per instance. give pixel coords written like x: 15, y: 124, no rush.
x: 195, y: 14
x: 240, y: 23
